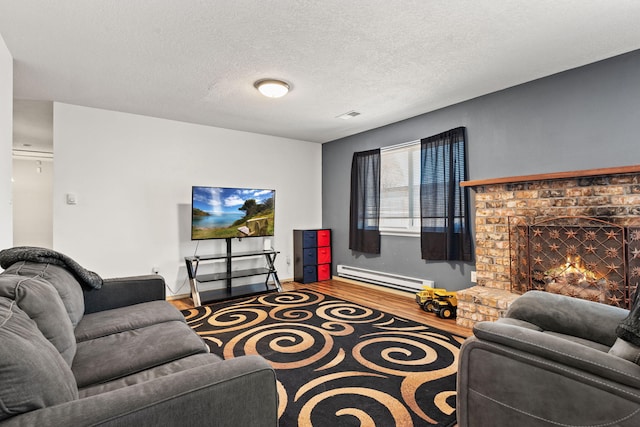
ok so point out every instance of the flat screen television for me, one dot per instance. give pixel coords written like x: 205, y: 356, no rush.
x: 221, y: 213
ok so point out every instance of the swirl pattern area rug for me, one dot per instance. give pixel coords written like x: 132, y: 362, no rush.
x: 339, y: 363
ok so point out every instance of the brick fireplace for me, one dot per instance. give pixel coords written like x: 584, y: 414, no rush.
x: 611, y: 195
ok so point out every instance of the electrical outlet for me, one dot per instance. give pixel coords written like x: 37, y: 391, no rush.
x: 474, y: 277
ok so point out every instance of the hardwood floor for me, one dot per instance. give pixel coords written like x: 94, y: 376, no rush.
x: 401, y: 304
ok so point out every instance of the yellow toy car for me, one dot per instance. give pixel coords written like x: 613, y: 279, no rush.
x: 446, y: 304
x: 438, y: 301
x: 426, y: 296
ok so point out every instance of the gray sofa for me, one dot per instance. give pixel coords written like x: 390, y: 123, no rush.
x: 553, y: 360
x: 116, y: 356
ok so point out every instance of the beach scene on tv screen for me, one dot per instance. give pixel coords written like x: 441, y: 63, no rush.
x: 231, y: 212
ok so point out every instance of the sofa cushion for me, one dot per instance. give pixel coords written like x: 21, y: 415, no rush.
x: 125, y: 353
x: 67, y: 286
x: 626, y: 350
x: 587, y: 343
x: 42, y: 303
x: 102, y: 323
x: 194, y: 361
x: 32, y: 372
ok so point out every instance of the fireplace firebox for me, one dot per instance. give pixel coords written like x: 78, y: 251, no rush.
x: 580, y: 257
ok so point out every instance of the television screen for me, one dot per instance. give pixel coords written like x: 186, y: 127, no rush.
x: 220, y: 213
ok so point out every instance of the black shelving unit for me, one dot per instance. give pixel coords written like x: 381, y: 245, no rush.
x: 230, y: 291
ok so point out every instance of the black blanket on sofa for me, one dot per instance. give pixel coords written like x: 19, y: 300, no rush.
x: 629, y: 328
x: 42, y: 255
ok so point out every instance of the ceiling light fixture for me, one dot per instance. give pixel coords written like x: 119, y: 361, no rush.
x: 272, y: 88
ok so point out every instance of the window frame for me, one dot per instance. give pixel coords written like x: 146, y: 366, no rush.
x: 413, y: 182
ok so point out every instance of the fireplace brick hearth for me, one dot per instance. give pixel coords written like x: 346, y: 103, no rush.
x: 611, y: 195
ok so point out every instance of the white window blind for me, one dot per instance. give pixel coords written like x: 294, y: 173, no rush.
x: 400, y: 189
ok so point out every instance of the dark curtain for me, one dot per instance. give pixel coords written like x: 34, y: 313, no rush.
x: 364, y: 232
x: 444, y: 205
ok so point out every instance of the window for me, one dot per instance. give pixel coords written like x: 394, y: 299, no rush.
x: 400, y: 189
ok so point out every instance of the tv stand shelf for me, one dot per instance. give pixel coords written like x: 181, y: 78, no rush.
x: 230, y: 291
x: 234, y: 275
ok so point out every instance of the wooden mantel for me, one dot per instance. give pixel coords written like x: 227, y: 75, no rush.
x: 555, y: 175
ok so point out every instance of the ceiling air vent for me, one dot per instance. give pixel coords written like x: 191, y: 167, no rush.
x: 348, y: 115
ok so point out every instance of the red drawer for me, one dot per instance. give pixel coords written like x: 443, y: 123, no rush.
x: 324, y: 237
x: 324, y: 255
x: 324, y: 272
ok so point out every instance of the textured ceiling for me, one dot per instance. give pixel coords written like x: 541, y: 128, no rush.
x: 196, y: 61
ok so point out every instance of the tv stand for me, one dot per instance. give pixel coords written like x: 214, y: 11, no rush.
x: 230, y: 291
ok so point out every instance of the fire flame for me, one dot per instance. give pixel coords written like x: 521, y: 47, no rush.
x: 573, y: 267
x: 572, y: 278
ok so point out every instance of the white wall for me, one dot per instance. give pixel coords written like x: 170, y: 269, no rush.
x: 132, y: 176
x: 33, y: 202
x: 6, y: 138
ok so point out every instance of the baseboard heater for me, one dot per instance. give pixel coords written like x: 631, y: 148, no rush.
x: 385, y: 279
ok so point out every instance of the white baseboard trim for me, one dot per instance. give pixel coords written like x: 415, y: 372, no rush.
x: 372, y: 286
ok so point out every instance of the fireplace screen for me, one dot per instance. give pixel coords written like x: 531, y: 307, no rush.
x: 580, y: 257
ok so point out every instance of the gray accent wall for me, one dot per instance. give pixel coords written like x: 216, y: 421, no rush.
x: 583, y: 118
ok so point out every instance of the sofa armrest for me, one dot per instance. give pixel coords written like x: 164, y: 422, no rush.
x: 125, y: 291
x: 561, y: 351
x: 570, y: 316
x: 231, y: 393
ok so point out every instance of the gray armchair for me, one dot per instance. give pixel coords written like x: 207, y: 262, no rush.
x: 549, y: 362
